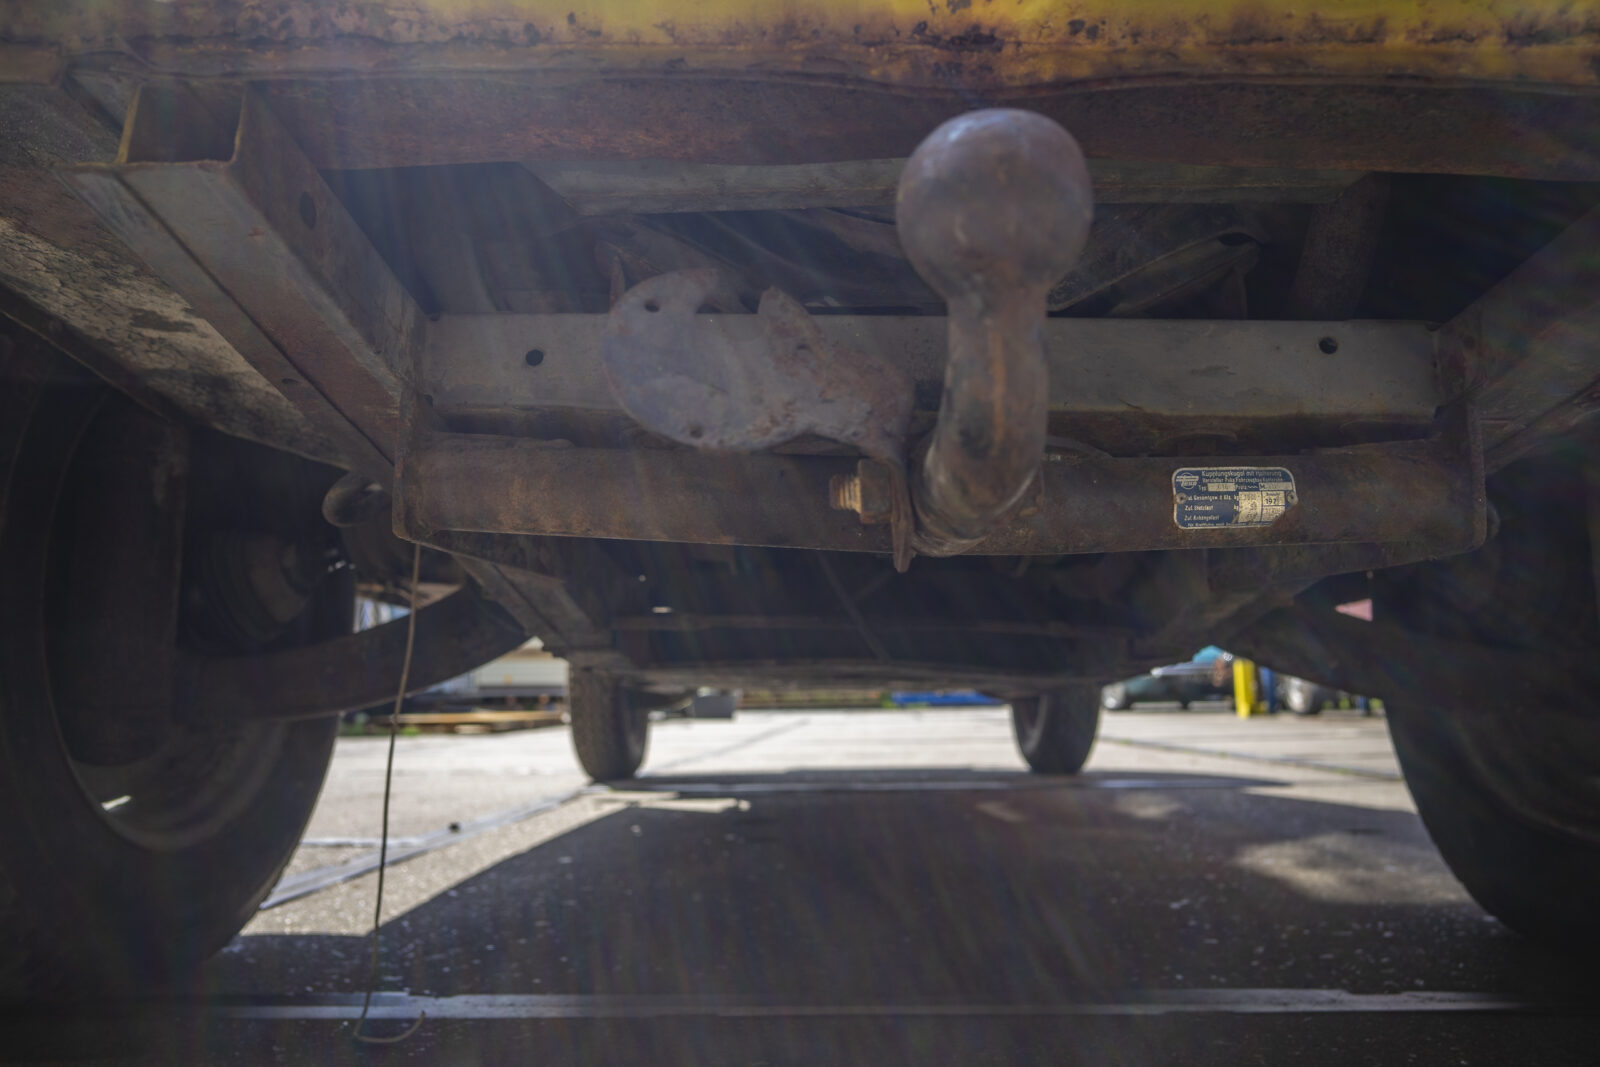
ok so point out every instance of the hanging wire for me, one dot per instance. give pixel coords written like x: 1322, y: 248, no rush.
x: 383, y: 840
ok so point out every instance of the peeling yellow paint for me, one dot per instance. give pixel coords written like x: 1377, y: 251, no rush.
x: 1010, y: 42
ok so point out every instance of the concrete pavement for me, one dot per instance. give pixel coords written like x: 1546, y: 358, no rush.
x: 860, y: 887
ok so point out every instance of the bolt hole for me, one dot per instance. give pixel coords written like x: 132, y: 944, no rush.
x: 652, y: 306
x: 534, y: 357
x: 1329, y: 345
x: 308, y: 211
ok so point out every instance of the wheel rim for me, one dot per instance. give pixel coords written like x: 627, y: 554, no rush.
x: 196, y: 781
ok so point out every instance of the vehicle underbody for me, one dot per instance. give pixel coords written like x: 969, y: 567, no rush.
x: 666, y: 354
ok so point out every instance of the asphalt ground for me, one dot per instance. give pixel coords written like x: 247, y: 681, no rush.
x: 870, y: 887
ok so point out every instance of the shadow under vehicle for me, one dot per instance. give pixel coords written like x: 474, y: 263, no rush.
x: 893, y: 347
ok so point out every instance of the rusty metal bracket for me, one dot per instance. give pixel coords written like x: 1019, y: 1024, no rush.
x: 227, y: 211
x: 1427, y: 492
x: 454, y: 635
x: 1525, y: 349
x: 217, y: 197
x: 686, y: 377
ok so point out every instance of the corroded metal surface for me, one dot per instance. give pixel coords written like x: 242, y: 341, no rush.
x: 1509, y: 130
x: 993, y: 208
x: 1526, y: 348
x: 454, y: 635
x: 1189, y: 376
x: 654, y: 185
x: 92, y: 298
x: 681, y: 375
x: 1427, y: 492
x: 687, y: 378
x: 271, y: 258
x: 1025, y: 42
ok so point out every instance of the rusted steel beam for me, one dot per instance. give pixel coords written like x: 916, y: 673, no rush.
x: 1527, y: 348
x: 685, y: 622
x: 216, y: 196
x: 484, y: 484
x: 1424, y: 491
x: 1213, y: 372
x: 454, y: 635
x: 839, y: 671
x: 1397, y: 127
x: 902, y: 42
x: 234, y: 217
x: 659, y: 186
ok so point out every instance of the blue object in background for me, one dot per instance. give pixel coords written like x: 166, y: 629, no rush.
x: 961, y: 697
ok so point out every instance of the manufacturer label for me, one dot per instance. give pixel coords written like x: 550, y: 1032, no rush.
x: 1230, y: 496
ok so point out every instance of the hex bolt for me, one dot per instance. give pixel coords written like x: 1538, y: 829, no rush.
x: 844, y: 492
x: 869, y: 492
x: 992, y: 209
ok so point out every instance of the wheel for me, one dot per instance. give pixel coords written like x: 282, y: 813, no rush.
x: 124, y: 861
x: 609, y: 731
x: 1183, y: 705
x: 1055, y: 731
x: 1509, y: 786
x: 1114, y: 697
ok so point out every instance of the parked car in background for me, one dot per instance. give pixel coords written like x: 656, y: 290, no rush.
x: 1205, y: 677
x: 1304, y: 697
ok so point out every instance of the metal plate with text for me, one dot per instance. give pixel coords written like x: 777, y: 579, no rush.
x: 1204, y: 497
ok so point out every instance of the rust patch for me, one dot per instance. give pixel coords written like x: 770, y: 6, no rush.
x: 149, y: 320
x: 890, y: 41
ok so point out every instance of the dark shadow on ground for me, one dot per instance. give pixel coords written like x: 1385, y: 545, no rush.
x: 932, y: 886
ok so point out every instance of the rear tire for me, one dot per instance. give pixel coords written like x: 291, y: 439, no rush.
x: 115, y: 875
x: 1508, y: 787
x: 609, y: 731
x: 1055, y: 731
x: 1539, y: 878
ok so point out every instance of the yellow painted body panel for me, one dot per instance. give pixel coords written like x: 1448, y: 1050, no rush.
x: 912, y: 42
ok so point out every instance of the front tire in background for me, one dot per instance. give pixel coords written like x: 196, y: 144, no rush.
x: 1055, y: 731
x: 609, y: 731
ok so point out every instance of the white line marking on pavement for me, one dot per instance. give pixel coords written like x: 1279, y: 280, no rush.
x: 305, y: 883
x: 1292, y: 761
x: 1022, y: 783
x: 1154, y: 1002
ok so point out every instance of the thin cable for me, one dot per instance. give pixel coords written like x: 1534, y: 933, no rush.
x: 383, y: 839
x: 850, y: 609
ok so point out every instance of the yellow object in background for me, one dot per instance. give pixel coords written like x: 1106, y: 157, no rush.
x: 1246, y: 695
